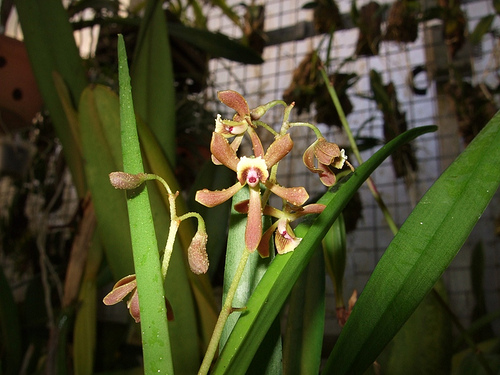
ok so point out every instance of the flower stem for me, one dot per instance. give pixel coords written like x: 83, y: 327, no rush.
x: 311, y: 126
x: 371, y: 184
x: 224, y: 314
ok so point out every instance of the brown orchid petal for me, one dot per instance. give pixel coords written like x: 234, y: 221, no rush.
x: 242, y: 207
x: 235, y: 144
x: 264, y: 245
x: 258, y: 150
x: 197, y: 253
x: 326, y: 152
x: 253, y: 231
x: 308, y: 157
x: 315, y: 208
x: 235, y: 101
x: 120, y: 290
x: 326, y: 175
x: 278, y: 150
x: 252, y: 171
x: 223, y: 152
x: 133, y: 307
x: 295, y: 195
x: 211, y: 198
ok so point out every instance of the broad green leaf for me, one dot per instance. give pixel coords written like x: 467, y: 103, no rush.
x: 422, y: 346
x: 152, y: 78
x: 84, y: 334
x: 334, y: 250
x: 303, y: 338
x: 482, y: 27
x: 496, y: 5
x: 420, y: 252
x: 155, y: 336
x: 10, y: 330
x: 53, y: 49
x: 275, y: 286
x: 216, y: 44
x: 100, y: 160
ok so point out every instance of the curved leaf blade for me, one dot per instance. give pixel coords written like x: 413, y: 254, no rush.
x: 421, y: 251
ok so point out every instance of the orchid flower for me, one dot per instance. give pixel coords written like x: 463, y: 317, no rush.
x: 285, y: 239
x: 239, y: 125
x: 251, y: 171
x: 328, y: 155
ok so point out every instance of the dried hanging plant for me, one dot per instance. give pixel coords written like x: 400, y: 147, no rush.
x: 404, y: 161
x: 307, y: 88
x: 305, y: 79
x: 473, y: 106
x: 402, y: 22
x: 454, y: 25
x: 369, y: 21
x: 326, y: 16
x: 253, y: 27
x: 325, y: 111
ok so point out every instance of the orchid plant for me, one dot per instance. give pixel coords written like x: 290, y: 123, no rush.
x: 258, y: 173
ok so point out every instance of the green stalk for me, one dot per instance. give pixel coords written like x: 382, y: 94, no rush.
x: 155, y: 337
x: 355, y: 150
x: 224, y: 314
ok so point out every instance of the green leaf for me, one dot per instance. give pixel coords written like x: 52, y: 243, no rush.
x: 85, y: 330
x: 334, y: 250
x: 155, y: 336
x: 152, y: 79
x: 303, y: 338
x: 482, y: 27
x: 216, y: 44
x: 274, y: 287
x: 422, y: 346
x: 100, y: 130
x: 421, y: 251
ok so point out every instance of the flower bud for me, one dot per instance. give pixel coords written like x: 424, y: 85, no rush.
x: 197, y: 253
x: 126, y: 181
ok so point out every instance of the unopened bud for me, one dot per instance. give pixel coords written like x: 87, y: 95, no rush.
x: 197, y: 253
x: 126, y: 181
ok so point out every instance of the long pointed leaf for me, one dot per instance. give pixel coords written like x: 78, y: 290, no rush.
x: 421, y: 251
x: 155, y: 336
x: 152, y: 79
x: 276, y: 284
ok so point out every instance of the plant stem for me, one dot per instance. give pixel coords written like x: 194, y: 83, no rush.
x: 355, y: 150
x: 224, y: 314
